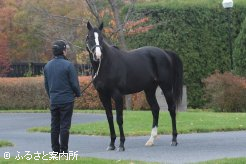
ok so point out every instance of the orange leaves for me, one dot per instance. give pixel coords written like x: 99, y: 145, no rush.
x: 134, y: 27
x: 3, y: 45
x: 105, y: 12
x: 4, y: 58
x: 140, y: 30
x: 112, y: 23
x: 6, y: 16
x: 108, y: 30
x: 132, y: 24
x: 130, y: 28
x: 7, y: 12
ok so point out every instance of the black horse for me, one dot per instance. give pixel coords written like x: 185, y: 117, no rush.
x: 117, y: 73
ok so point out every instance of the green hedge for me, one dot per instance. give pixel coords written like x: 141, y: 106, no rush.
x: 239, y: 52
x: 197, y: 31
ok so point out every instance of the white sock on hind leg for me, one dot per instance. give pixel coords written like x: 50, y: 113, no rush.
x: 150, y: 142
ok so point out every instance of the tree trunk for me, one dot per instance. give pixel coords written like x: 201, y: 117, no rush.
x: 115, y: 9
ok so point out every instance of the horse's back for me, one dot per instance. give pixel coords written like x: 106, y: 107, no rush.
x: 149, y: 58
x: 146, y: 66
x: 150, y: 53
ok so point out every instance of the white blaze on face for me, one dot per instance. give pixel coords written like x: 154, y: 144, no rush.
x: 98, y: 50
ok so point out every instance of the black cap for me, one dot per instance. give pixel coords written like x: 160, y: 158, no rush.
x: 58, y: 47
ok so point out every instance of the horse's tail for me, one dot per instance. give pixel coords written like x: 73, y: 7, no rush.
x: 177, y: 66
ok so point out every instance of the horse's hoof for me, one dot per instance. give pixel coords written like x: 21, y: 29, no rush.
x: 120, y: 149
x: 174, y: 143
x: 149, y: 143
x: 110, y: 147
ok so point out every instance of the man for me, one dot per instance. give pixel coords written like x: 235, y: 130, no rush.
x: 62, y: 86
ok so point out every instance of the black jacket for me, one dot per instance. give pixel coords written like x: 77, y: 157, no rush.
x: 61, y: 81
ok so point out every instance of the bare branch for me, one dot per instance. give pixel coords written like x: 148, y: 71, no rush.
x: 93, y: 9
x: 119, y: 25
x: 130, y: 11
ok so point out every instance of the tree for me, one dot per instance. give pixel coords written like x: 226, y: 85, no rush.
x: 42, y: 22
x: 115, y: 21
x: 239, y: 52
x: 6, y: 16
x: 118, y: 24
x: 36, y: 24
x: 109, y: 13
x: 4, y: 56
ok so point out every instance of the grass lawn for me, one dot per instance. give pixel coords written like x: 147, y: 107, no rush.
x: 139, y: 123
x: 46, y: 111
x: 63, y: 160
x: 226, y: 161
x: 105, y: 161
x: 4, y: 143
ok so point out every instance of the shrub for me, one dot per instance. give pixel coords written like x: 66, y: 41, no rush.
x: 29, y: 93
x: 89, y: 99
x: 226, y: 92
x: 23, y: 93
x: 139, y: 101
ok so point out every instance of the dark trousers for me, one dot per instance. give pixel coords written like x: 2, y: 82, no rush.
x: 61, y: 116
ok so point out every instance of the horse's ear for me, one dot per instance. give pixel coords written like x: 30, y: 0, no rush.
x: 101, y: 27
x: 89, y: 26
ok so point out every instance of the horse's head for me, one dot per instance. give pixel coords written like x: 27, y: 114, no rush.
x: 94, y: 41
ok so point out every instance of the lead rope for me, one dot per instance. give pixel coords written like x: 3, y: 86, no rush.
x: 93, y: 78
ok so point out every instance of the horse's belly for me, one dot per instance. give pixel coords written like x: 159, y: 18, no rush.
x: 134, y: 85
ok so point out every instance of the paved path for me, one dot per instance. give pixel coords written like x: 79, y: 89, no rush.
x: 191, y: 148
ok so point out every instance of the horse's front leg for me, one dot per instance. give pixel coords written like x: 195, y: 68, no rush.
x: 118, y: 98
x: 106, y: 101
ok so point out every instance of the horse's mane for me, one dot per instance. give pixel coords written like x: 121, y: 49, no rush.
x: 115, y: 47
x: 120, y: 51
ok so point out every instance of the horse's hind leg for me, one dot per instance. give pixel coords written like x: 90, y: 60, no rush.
x: 151, y: 98
x: 106, y: 101
x: 172, y: 110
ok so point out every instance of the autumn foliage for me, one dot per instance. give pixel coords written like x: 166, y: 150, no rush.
x: 6, y: 15
x: 130, y: 27
x: 226, y: 92
x: 4, y: 58
x: 29, y: 93
x: 136, y: 27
